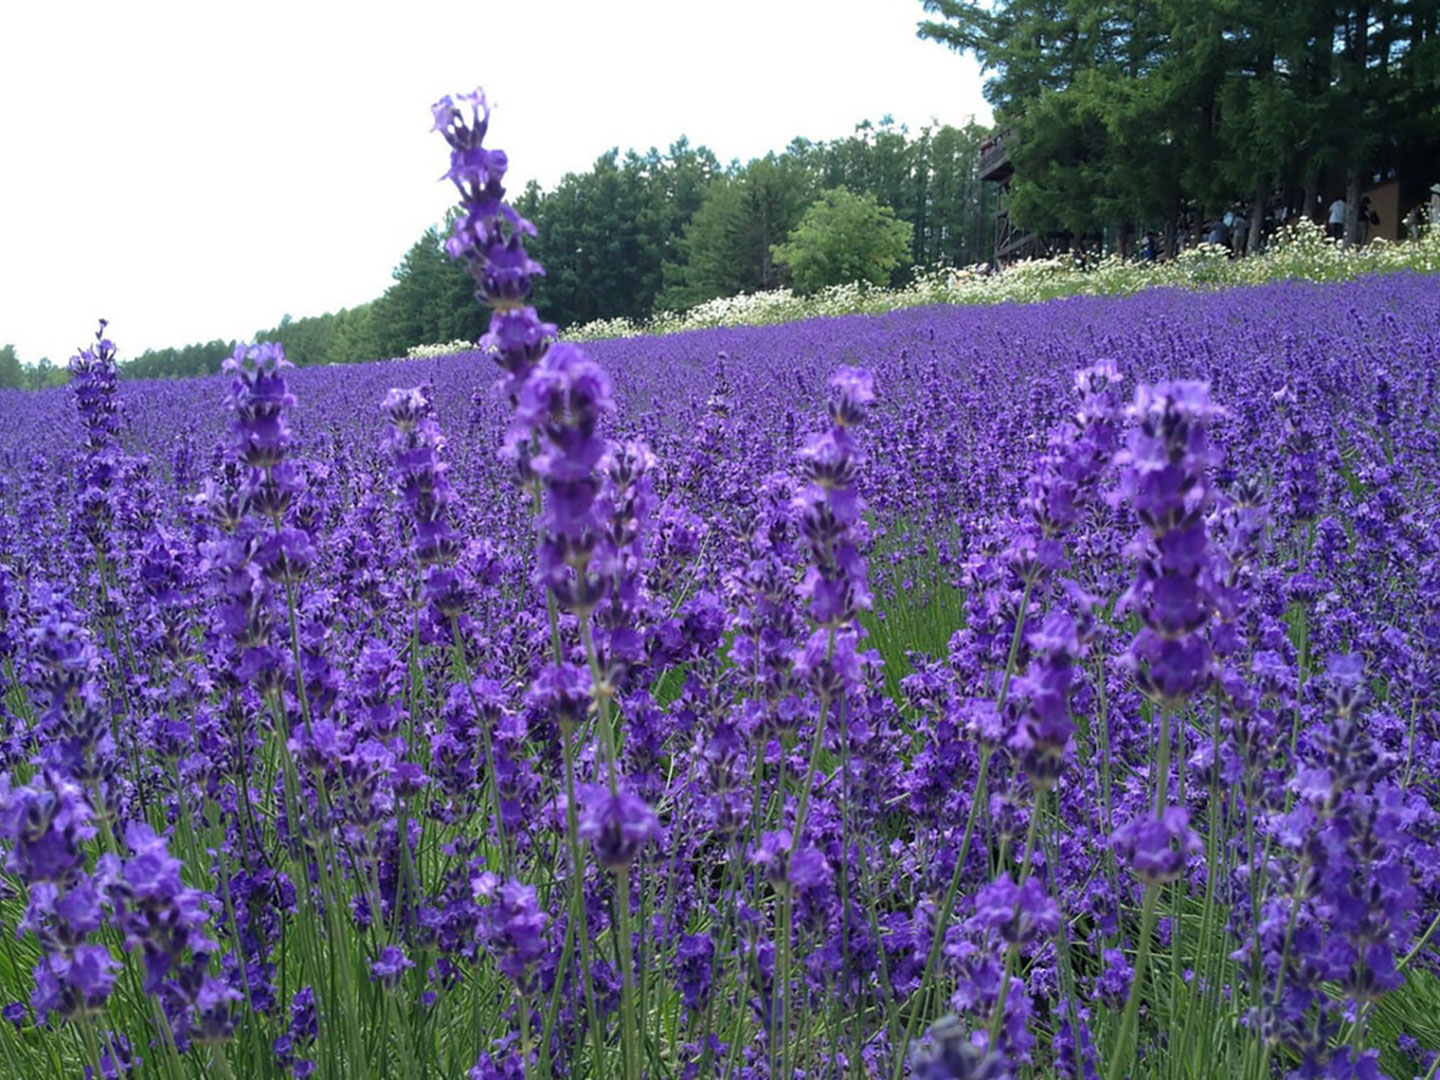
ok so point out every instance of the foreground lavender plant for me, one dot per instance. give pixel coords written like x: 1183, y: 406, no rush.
x: 560, y: 396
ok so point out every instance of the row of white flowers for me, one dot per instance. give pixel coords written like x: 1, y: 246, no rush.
x: 1301, y: 252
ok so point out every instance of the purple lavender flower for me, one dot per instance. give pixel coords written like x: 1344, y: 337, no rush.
x: 786, y: 867
x: 416, y: 447
x: 1156, y: 848
x: 1113, y: 984
x: 490, y: 237
x: 694, y: 970
x: 74, y: 983
x: 259, y: 398
x: 950, y: 1052
x: 93, y: 378
x: 616, y: 823
x: 829, y: 508
x: 117, y: 1057
x: 45, y: 826
x: 1020, y: 914
x: 64, y: 676
x: 1045, y: 734
x: 512, y: 927
x: 389, y: 966
x: 300, y: 1036
x: 1165, y: 481
x: 166, y: 921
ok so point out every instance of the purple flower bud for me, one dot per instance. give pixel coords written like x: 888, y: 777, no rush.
x: 951, y: 1052
x: 1157, y: 848
x: 389, y: 966
x: 616, y: 824
x: 512, y: 927
x: 74, y: 984
x: 787, y: 868
x: 1021, y: 914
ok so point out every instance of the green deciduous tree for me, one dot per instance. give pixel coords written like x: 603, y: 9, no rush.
x: 341, y: 337
x: 45, y: 374
x: 12, y: 373
x: 844, y: 238
x: 638, y: 233
x: 725, y: 248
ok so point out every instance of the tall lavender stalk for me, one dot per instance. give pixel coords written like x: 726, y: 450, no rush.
x: 835, y: 590
x: 93, y: 379
x: 1167, y: 483
x: 560, y: 398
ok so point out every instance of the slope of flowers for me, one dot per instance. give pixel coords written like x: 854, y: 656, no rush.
x: 953, y: 692
x: 1299, y: 252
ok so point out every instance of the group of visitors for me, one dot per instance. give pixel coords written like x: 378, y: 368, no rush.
x: 1232, y: 231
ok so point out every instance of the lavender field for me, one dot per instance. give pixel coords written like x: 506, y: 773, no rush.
x: 1038, y: 690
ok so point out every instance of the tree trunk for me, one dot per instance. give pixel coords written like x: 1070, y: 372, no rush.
x: 1257, y: 218
x: 1312, y: 194
x: 1352, y: 206
x: 1125, y: 238
x: 1359, y: 57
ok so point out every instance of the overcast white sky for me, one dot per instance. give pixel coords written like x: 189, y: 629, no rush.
x: 195, y: 170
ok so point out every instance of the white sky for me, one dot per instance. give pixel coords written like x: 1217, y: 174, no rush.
x: 195, y: 170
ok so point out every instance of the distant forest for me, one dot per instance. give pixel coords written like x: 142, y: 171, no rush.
x: 640, y: 233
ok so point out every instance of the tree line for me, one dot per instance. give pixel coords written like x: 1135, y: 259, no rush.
x: 663, y: 232
x: 17, y: 376
x: 637, y: 233
x: 1125, y: 116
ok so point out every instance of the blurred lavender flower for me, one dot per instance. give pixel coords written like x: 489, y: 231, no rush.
x: 489, y: 236
x: 1157, y: 847
x: 561, y: 405
x: 787, y: 868
x: 391, y: 964
x: 299, y: 1037
x: 513, y: 928
x: 64, y: 675
x: 829, y: 508
x: 949, y: 1052
x: 45, y: 825
x: 416, y: 447
x: 1166, y: 482
x: 1021, y: 914
x: 163, y: 918
x: 93, y: 385
x: 616, y: 823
